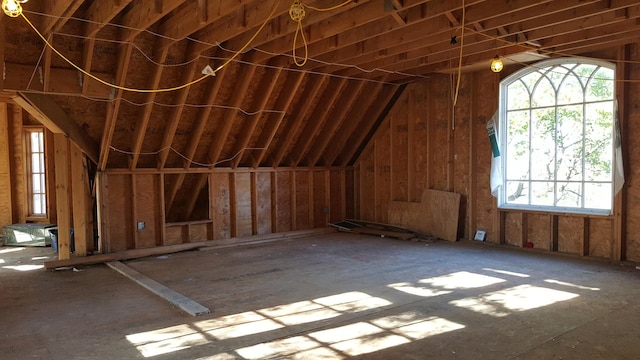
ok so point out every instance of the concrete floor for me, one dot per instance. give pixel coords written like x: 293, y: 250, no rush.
x: 332, y: 297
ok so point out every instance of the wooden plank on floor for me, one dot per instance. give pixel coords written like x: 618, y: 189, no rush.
x: 187, y: 305
x: 161, y: 250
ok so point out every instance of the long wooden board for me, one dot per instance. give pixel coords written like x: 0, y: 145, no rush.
x: 187, y: 305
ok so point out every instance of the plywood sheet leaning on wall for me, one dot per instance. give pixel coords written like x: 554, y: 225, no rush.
x: 438, y: 214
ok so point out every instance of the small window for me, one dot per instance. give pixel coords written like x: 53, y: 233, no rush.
x: 36, y: 174
x: 557, y: 137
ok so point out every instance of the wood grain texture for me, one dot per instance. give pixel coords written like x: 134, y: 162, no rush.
x: 264, y: 203
x: 6, y: 201
x: 302, y: 205
x: 320, y: 205
x: 148, y: 210
x: 120, y: 208
x: 600, y: 237
x: 283, y: 201
x: 244, y: 225
x: 570, y: 234
x: 222, y: 206
x: 538, y: 230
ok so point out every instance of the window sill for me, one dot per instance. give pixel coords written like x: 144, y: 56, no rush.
x: 560, y: 211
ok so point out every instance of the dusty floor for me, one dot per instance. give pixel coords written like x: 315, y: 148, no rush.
x: 331, y: 297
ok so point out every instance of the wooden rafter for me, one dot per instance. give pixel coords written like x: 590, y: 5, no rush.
x: 273, y: 121
x: 303, y: 109
x: 228, y: 118
x: 316, y: 120
x: 264, y: 91
x: 343, y: 105
x: 355, y: 112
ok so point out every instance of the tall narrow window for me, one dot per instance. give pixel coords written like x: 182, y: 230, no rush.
x: 36, y: 177
x: 557, y: 137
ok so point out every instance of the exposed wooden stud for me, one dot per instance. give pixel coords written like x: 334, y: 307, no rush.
x: 553, y: 232
x: 619, y: 250
x: 586, y: 235
x: 6, y: 190
x: 62, y: 196
x: 60, y: 11
x: 82, y: 216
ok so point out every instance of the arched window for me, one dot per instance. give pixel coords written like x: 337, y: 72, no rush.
x: 557, y: 131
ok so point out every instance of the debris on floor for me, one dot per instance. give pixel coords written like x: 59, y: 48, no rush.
x: 379, y: 229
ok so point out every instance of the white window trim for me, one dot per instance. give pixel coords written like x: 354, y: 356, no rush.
x: 502, y: 131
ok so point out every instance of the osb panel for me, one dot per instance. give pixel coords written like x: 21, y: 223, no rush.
x: 461, y: 149
x: 263, y: 205
x: 367, y: 192
x: 420, y: 141
x: 336, y: 195
x: 90, y: 115
x: 538, y: 230
x: 350, y: 198
x: 440, y: 119
x: 283, y: 201
x: 302, y: 200
x: 570, y: 234
x: 221, y: 206
x: 513, y: 228
x: 198, y: 232
x: 148, y: 210
x: 383, y: 175
x: 399, y: 149
x: 120, y: 211
x: 173, y: 235
x: 632, y: 176
x: 436, y: 214
x: 486, y: 208
x: 600, y: 237
x: 243, y: 216
x: 320, y: 206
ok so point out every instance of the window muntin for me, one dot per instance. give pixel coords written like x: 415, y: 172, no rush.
x: 36, y: 169
x: 557, y: 127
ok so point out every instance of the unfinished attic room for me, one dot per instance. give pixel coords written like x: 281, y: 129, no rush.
x: 320, y: 179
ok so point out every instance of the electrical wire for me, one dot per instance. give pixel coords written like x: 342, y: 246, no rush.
x: 211, y: 73
x: 455, y: 96
x: 190, y: 161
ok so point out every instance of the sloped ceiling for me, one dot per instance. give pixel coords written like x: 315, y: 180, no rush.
x: 261, y: 109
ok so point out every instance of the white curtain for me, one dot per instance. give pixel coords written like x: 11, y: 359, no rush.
x: 496, y: 162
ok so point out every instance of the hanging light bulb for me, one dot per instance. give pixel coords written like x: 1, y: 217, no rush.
x: 12, y: 7
x: 296, y: 11
x: 496, y: 64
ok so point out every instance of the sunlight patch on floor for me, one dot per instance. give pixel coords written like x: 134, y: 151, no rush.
x: 505, y: 272
x: 461, y: 280
x: 167, y: 340
x: 519, y: 298
x: 550, y: 281
x: 23, y: 267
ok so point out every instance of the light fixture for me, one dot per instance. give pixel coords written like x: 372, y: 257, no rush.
x: 296, y: 11
x: 12, y: 7
x: 496, y: 64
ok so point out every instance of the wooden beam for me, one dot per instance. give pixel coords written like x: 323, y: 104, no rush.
x: 322, y: 109
x: 356, y: 112
x: 6, y: 190
x: 176, y: 299
x: 59, y: 12
x: 52, y: 116
x: 144, y: 14
x: 369, y: 125
x: 99, y: 13
x: 18, y: 77
x: 124, y: 56
x: 143, y: 122
x: 261, y: 97
x: 291, y: 86
x: 238, y: 95
x: 63, y: 206
x: 176, y: 113
x: 343, y: 105
x: 81, y: 197
x: 303, y: 109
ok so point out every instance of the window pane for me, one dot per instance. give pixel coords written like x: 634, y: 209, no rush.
x: 569, y: 143
x: 599, y: 141
x: 542, y: 144
x: 601, y: 86
x: 557, y: 74
x: 598, y: 196
x: 43, y: 203
x: 542, y: 193
x: 570, y: 91
x: 569, y: 195
x: 36, y: 183
x: 544, y: 94
x: 37, y: 204
x: 518, y: 145
x: 518, y: 192
x: 36, y: 141
x: 35, y: 163
x: 518, y: 96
